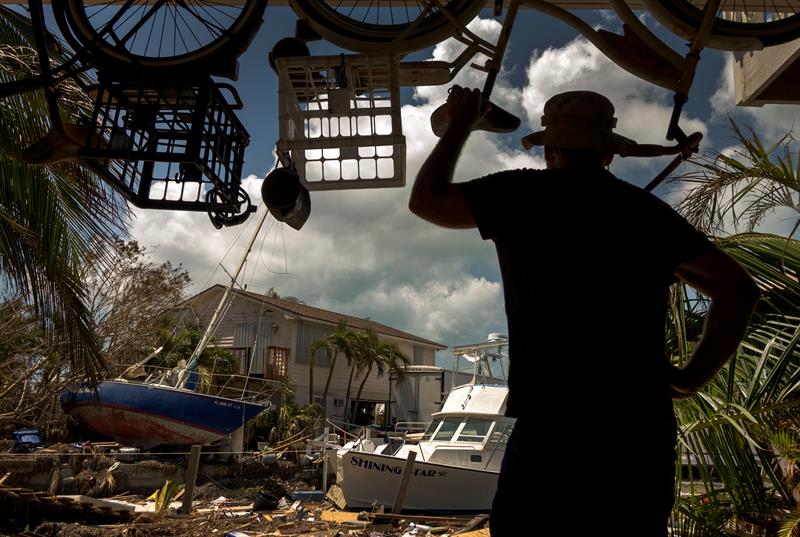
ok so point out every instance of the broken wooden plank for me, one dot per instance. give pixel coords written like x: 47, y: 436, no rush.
x: 338, y: 516
x: 477, y: 533
x: 472, y: 524
x: 191, y: 477
x: 96, y: 502
x: 460, y: 520
x: 232, y: 508
x: 400, y: 497
x: 336, y: 495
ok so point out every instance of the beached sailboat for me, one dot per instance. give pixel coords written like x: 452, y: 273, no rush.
x: 457, y: 458
x: 147, y: 415
x: 167, y: 407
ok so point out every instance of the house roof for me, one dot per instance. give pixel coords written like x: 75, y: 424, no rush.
x: 319, y: 314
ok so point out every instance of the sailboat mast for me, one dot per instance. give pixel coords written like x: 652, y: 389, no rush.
x: 212, y: 325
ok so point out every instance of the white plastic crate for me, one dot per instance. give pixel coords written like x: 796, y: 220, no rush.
x: 340, y: 120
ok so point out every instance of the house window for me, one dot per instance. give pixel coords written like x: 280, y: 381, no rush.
x: 277, y: 363
x: 419, y: 355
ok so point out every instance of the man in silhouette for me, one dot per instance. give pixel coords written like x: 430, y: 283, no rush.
x: 587, y: 261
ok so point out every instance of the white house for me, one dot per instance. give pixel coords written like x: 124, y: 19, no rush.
x: 272, y: 338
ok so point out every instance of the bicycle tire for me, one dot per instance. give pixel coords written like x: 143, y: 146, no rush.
x: 225, y: 31
x: 684, y: 18
x: 363, y: 36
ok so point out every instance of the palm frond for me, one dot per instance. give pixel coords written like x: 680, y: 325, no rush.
x: 742, y: 186
x: 732, y: 433
x: 51, y: 217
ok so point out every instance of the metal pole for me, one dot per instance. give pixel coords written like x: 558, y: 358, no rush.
x: 500, y: 49
x: 500, y: 359
x: 325, y: 461
x: 222, y: 303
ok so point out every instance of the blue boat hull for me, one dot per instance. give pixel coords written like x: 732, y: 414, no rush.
x: 146, y: 415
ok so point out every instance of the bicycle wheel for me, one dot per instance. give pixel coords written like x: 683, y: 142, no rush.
x: 160, y: 33
x: 737, y: 24
x: 373, y: 25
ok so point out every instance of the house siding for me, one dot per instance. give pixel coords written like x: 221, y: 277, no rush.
x: 250, y: 324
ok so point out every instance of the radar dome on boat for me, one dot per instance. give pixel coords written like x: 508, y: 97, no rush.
x: 495, y: 336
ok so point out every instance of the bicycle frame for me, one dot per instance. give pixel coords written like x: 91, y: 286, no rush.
x: 47, y: 77
x: 638, y: 51
x: 197, y: 140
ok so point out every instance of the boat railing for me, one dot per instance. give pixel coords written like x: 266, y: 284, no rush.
x: 349, y: 431
x: 411, y: 426
x: 230, y: 386
x: 338, y: 428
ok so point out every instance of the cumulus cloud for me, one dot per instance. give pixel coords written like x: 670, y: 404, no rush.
x: 362, y: 253
x: 503, y: 94
x: 579, y: 65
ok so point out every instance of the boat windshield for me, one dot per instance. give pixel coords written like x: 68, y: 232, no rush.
x: 448, y: 429
x: 501, y: 432
x: 430, y: 430
x: 474, y: 430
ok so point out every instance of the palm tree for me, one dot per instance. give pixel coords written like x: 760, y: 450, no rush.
x: 739, y: 188
x: 179, y: 342
x: 738, y: 429
x: 311, y: 359
x: 342, y: 340
x: 358, y: 363
x: 383, y: 356
x: 50, y: 216
x: 741, y: 430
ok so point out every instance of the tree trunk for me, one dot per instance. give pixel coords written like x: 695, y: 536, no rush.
x: 347, y: 394
x: 327, y: 385
x: 361, y: 387
x: 311, y: 379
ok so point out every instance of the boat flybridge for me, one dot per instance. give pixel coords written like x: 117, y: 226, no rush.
x: 457, y: 459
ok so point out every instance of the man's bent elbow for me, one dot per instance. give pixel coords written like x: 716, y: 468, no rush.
x: 418, y: 207
x: 751, y: 293
x: 743, y: 294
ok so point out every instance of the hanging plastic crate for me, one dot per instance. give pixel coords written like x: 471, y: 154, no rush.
x: 340, y: 120
x: 168, y: 144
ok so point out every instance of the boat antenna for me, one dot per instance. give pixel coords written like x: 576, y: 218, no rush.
x: 215, y: 319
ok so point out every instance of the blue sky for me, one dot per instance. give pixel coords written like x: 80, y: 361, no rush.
x: 362, y: 253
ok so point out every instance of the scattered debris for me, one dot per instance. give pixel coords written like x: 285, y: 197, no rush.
x: 107, y: 490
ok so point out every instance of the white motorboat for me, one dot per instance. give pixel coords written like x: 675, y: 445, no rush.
x: 457, y: 459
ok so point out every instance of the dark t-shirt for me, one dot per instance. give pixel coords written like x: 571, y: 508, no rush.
x: 587, y: 261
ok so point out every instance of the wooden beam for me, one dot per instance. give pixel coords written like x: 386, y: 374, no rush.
x: 191, y: 477
x: 397, y: 508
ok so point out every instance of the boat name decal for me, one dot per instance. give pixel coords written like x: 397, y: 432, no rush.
x: 392, y: 469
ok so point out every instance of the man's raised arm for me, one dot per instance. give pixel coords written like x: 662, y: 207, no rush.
x: 434, y: 197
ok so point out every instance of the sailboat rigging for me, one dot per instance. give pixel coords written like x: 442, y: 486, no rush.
x: 169, y: 409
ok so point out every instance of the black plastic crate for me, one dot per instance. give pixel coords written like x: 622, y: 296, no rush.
x: 167, y: 144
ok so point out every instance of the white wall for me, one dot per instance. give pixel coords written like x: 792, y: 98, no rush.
x: 243, y: 310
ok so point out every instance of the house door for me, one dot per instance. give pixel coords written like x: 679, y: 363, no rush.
x: 363, y: 412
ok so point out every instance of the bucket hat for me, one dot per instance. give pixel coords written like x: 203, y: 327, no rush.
x: 580, y: 120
